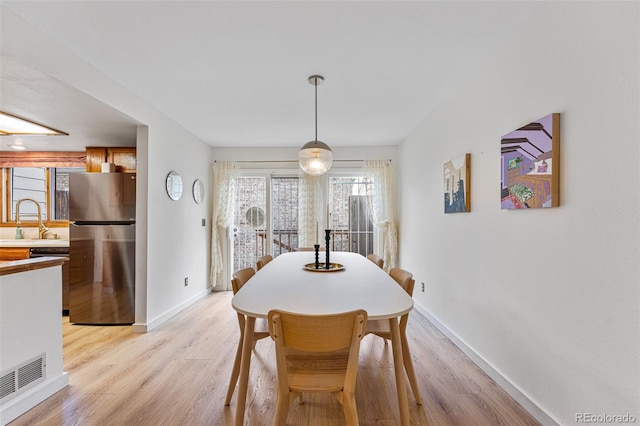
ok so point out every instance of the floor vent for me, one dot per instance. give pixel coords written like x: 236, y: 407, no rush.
x: 20, y: 378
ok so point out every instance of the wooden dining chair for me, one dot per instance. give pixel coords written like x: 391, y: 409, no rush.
x: 261, y: 330
x: 381, y: 328
x: 317, y: 353
x: 376, y: 259
x: 263, y: 261
x: 305, y: 249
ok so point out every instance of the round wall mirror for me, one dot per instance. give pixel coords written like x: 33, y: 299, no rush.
x: 198, y: 191
x: 174, y: 185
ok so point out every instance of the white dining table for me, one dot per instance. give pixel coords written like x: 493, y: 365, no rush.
x: 285, y: 284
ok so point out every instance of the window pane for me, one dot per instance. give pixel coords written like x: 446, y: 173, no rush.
x: 284, y: 209
x: 60, y: 197
x: 28, y: 182
x: 249, y: 224
x: 350, y: 220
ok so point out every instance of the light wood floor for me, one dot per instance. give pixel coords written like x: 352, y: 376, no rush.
x: 178, y: 374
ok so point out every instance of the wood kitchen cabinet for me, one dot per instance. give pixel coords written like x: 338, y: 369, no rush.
x: 95, y: 157
x: 123, y: 157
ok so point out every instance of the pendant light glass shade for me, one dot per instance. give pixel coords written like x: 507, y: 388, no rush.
x: 315, y: 157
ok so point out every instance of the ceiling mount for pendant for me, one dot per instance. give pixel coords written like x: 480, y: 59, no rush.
x: 315, y: 157
x: 316, y: 80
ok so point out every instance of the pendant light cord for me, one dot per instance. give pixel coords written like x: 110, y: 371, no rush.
x: 315, y: 83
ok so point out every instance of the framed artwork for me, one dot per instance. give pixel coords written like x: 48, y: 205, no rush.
x: 457, y: 183
x: 529, y: 166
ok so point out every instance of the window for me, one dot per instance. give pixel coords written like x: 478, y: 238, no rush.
x: 49, y: 186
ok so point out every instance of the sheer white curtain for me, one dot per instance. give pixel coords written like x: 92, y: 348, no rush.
x: 223, y: 202
x: 380, y: 200
x: 310, y: 208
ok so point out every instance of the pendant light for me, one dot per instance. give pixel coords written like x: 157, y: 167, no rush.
x: 315, y: 157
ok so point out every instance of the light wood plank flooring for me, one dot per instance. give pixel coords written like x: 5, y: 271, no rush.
x: 178, y: 373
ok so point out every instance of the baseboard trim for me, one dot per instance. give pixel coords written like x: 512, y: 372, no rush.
x: 533, y: 409
x: 148, y: 326
x: 22, y: 403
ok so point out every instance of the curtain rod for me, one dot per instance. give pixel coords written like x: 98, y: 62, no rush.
x: 290, y: 161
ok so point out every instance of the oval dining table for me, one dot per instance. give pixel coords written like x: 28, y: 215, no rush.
x: 285, y: 284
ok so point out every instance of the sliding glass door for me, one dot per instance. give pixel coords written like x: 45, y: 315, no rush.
x: 266, y: 216
x: 250, y: 219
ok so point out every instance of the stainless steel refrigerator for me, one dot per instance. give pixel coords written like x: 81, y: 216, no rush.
x: 102, y: 214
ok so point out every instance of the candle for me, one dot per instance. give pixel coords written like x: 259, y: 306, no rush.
x: 317, y: 232
x: 328, y: 226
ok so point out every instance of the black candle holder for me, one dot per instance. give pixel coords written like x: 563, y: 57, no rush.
x: 316, y: 247
x: 327, y: 239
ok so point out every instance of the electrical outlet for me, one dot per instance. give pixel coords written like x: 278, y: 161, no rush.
x: 422, y: 286
x: 204, y: 222
x: 186, y: 281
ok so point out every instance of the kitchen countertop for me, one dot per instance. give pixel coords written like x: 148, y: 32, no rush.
x: 33, y: 243
x: 14, y: 266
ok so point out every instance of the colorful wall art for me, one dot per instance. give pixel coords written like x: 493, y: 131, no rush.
x: 529, y: 167
x: 457, y: 182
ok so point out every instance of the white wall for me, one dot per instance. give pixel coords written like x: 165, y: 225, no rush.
x: 547, y: 298
x: 176, y: 244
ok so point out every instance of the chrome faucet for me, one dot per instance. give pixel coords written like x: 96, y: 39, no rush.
x: 41, y: 228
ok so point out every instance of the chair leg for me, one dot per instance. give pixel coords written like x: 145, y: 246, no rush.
x: 408, y: 366
x: 234, y: 373
x: 350, y: 409
x: 282, y: 410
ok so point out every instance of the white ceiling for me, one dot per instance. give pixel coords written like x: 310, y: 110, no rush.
x: 31, y: 94
x: 235, y: 73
